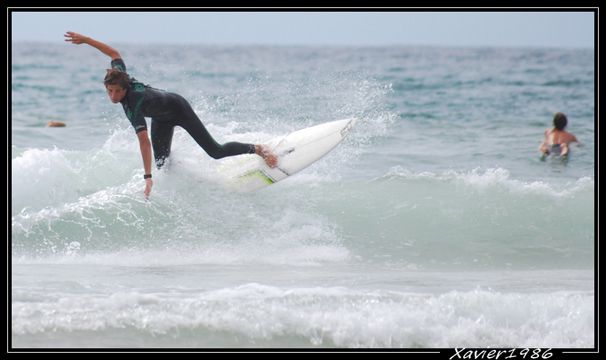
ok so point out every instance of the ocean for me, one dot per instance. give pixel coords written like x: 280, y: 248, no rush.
x: 433, y: 225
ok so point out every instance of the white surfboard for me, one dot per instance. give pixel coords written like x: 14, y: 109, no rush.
x: 295, y: 152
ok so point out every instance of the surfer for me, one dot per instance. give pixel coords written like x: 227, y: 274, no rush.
x: 166, y: 110
x: 556, y: 138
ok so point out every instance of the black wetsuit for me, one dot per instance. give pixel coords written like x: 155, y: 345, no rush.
x: 166, y: 111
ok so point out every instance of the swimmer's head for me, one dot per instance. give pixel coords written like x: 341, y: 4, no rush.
x: 560, y: 121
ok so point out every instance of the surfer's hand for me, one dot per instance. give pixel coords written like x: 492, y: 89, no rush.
x: 148, y: 186
x: 270, y: 158
x: 75, y: 38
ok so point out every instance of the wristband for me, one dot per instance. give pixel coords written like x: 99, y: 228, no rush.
x: 147, y: 176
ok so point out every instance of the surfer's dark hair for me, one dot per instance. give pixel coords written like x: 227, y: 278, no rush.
x: 560, y: 121
x: 117, y: 77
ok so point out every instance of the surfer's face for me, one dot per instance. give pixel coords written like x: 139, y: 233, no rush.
x: 116, y: 93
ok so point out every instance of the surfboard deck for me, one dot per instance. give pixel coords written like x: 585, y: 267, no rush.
x: 296, y: 151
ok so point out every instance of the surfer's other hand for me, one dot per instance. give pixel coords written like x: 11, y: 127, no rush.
x: 148, y: 186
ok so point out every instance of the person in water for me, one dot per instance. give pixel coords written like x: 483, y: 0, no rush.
x: 166, y: 111
x: 557, y: 139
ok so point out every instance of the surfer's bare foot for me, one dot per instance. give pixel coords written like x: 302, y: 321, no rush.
x: 270, y: 158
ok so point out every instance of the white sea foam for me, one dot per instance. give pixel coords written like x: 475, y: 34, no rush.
x: 322, y: 316
x: 493, y: 179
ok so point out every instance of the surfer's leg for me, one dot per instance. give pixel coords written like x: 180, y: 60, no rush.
x: 192, y: 124
x: 161, y: 137
x: 198, y: 131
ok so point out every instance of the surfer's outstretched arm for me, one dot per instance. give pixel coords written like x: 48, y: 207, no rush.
x: 146, y: 154
x: 78, y: 39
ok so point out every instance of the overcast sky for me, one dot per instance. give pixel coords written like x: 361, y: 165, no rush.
x: 511, y: 29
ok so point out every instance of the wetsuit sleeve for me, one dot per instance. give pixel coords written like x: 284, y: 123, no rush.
x: 133, y: 108
x: 135, y: 115
x: 138, y: 122
x: 118, y: 64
